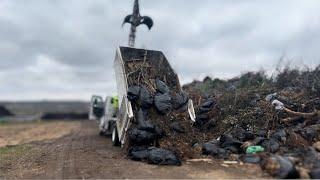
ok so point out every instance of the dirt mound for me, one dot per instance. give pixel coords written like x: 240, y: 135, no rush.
x: 4, y: 112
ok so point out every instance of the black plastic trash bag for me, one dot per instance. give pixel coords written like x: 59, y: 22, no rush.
x: 138, y: 153
x: 280, y: 135
x: 148, y: 126
x: 141, y: 117
x: 180, y: 100
x: 209, y: 103
x: 242, y: 135
x: 212, y: 148
x: 309, y: 133
x: 153, y: 155
x: 141, y: 137
x: 143, y: 124
x: 162, y: 87
x: 227, y: 142
x: 162, y: 103
x: 207, y: 106
x: 133, y: 93
x: 270, y: 145
x: 146, y: 98
x: 162, y: 157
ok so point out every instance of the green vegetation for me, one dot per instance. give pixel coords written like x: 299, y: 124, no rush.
x: 3, y: 121
x: 9, y: 152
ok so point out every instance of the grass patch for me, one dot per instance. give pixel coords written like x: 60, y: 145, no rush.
x: 10, y: 152
x: 3, y: 121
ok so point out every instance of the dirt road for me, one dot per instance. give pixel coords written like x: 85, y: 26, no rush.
x: 82, y: 153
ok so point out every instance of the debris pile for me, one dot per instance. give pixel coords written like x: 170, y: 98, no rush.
x: 162, y: 126
x: 273, y: 122
x: 160, y: 123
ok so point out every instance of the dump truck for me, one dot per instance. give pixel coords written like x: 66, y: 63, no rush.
x: 126, y: 57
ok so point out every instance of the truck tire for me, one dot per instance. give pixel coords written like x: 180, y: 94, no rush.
x: 115, y: 137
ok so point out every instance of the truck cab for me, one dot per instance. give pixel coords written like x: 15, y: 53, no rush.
x: 104, y: 112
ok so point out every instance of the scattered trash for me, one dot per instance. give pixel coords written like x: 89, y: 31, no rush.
x: 278, y: 105
x: 254, y: 149
x: 271, y: 97
x: 230, y: 162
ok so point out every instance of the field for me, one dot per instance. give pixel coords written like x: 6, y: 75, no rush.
x: 63, y: 149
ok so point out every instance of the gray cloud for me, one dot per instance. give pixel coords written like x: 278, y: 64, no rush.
x: 54, y: 49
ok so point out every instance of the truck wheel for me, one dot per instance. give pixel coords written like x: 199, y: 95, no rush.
x: 114, y: 137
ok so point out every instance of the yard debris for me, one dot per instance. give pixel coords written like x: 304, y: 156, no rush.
x: 286, y: 123
x: 233, y: 119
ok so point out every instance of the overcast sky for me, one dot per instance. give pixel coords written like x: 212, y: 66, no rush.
x: 64, y: 49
